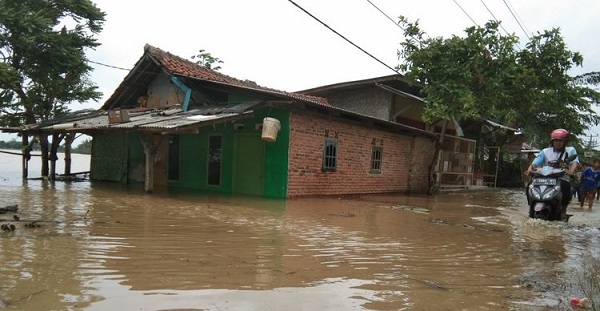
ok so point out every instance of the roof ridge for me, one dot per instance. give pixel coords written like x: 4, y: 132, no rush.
x: 179, y: 65
x: 155, y: 51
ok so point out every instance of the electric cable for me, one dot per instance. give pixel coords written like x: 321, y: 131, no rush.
x: 516, y: 19
x: 378, y: 9
x: 110, y: 66
x: 518, y: 16
x: 494, y: 16
x: 341, y: 36
x: 469, y: 16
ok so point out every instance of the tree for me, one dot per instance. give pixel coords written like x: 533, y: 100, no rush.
x: 11, y: 144
x: 484, y: 76
x: 207, y: 60
x: 43, y: 64
x: 84, y: 148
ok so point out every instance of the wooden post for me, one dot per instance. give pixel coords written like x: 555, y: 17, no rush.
x: 43, y: 140
x: 69, y: 137
x: 497, y: 167
x: 56, y: 139
x: 150, y: 149
x: 149, y: 176
x: 52, y: 158
x: 26, y: 155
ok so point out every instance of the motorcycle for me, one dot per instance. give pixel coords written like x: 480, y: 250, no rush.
x: 544, y: 194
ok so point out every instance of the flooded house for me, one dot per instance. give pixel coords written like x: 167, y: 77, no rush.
x: 174, y: 124
x: 393, y: 99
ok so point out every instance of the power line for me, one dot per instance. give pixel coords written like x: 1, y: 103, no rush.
x: 341, y: 36
x: 591, y: 143
x: 469, y: 16
x: 516, y: 19
x: 385, y: 15
x: 518, y: 16
x: 494, y: 16
x: 110, y: 66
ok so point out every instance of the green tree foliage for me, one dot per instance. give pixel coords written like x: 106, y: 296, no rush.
x: 84, y: 147
x: 485, y: 76
x: 43, y: 66
x: 11, y: 144
x: 42, y: 52
x: 207, y: 60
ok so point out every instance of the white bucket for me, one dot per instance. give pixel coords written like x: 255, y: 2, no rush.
x: 269, y: 129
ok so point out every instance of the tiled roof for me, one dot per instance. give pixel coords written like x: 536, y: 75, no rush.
x: 180, y: 66
x: 145, y: 71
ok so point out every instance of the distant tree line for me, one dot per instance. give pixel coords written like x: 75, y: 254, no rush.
x: 84, y: 148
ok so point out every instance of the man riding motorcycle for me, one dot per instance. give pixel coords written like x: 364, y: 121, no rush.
x: 555, y: 156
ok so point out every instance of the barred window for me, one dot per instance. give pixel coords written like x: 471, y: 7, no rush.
x: 376, y: 159
x: 330, y: 155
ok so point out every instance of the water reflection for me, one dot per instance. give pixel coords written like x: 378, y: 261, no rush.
x: 104, y: 247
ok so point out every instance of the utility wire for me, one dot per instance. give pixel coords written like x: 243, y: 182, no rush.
x: 494, y: 16
x: 93, y: 62
x: 469, y: 16
x: 341, y: 36
x: 395, y: 23
x: 518, y: 16
x: 387, y: 16
x: 516, y: 19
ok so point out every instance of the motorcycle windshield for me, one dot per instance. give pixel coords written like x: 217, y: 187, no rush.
x: 548, y: 171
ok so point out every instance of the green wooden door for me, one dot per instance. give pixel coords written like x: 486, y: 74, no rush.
x: 249, y: 165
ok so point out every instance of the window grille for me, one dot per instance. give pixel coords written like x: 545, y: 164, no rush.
x: 376, y: 159
x: 330, y: 155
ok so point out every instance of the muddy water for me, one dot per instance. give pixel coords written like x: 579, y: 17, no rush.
x: 88, y: 246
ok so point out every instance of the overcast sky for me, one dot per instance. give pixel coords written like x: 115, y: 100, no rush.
x: 278, y: 45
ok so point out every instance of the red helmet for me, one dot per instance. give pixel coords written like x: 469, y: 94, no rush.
x: 559, y: 134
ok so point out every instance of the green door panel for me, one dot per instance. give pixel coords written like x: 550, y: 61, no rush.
x: 249, y: 165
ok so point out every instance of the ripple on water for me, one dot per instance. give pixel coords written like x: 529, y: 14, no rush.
x: 219, y: 253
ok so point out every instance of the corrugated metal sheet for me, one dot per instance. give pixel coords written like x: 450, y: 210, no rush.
x: 151, y: 120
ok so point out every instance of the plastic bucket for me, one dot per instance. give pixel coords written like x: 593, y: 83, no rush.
x: 269, y: 129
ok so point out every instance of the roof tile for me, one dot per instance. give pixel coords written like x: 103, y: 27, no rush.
x: 184, y: 67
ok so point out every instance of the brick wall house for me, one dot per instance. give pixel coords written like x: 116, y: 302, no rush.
x: 189, y: 127
x: 393, y: 99
x: 405, y: 159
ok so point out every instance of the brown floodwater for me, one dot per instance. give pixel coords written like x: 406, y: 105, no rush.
x: 97, y: 246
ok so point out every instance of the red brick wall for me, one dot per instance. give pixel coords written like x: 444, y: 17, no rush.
x: 404, y: 168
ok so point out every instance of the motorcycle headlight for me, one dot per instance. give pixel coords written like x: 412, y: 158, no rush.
x: 551, y: 193
x: 535, y: 193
